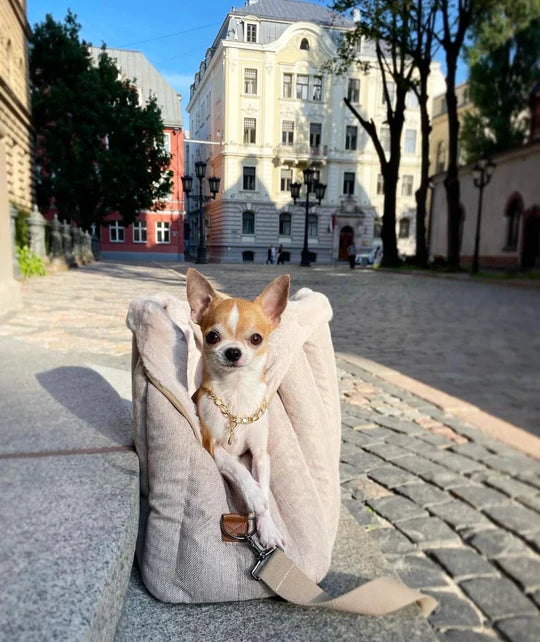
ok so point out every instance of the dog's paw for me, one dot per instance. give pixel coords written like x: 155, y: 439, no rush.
x: 269, y: 535
x: 255, y: 499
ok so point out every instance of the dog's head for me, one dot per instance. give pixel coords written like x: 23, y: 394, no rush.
x: 235, y: 331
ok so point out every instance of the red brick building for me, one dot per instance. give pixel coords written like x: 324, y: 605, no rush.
x: 157, y: 235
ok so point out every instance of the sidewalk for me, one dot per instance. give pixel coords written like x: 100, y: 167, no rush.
x: 455, y: 511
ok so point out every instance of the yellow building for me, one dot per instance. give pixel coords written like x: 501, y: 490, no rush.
x: 438, y: 144
x: 261, y: 94
x: 15, y: 134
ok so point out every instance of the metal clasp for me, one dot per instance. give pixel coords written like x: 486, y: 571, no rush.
x: 262, y: 555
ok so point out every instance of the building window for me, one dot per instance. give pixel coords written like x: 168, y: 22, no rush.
x: 139, y: 232
x: 163, y: 232
x: 250, y: 81
x: 304, y: 44
x: 302, y: 87
x: 285, y: 224
x: 353, y: 90
x: 116, y: 232
x: 404, y: 228
x: 317, y: 88
x: 391, y: 88
x: 287, y: 85
x: 380, y: 184
x: 313, y: 225
x: 410, y: 141
x: 406, y: 185
x: 513, y: 213
x: 411, y: 100
x: 249, y: 178
x: 250, y: 130
x: 248, y: 224
x: 351, y: 135
x: 440, y: 160
x: 285, y: 180
x: 315, y: 130
x: 251, y: 33
x: 287, y: 132
x: 348, y: 183
x: 385, y: 139
x: 166, y: 143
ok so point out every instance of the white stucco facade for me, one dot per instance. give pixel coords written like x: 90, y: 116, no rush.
x: 274, y: 112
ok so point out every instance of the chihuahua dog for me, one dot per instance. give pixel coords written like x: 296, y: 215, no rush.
x: 232, y: 400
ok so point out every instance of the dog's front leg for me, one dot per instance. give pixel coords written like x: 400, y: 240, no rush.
x: 231, y: 468
x: 269, y: 534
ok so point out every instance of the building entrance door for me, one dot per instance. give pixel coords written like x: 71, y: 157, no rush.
x: 346, y: 237
x: 531, y: 243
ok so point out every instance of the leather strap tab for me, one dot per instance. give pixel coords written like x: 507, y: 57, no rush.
x: 235, y: 527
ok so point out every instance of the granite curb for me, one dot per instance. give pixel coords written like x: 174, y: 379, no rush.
x: 493, y: 426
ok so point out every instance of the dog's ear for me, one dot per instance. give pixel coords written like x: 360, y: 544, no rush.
x: 273, y: 299
x: 200, y: 294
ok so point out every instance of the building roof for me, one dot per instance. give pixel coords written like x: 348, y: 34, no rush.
x: 293, y: 11
x: 136, y: 67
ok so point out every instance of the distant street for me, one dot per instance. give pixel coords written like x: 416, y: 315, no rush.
x: 479, y: 342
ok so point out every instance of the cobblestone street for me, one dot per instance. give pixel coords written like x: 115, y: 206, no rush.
x: 455, y: 511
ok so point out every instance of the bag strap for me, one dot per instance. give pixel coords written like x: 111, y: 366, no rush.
x: 380, y: 596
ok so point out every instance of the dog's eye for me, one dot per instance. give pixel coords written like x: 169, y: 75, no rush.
x: 256, y: 339
x: 212, y: 337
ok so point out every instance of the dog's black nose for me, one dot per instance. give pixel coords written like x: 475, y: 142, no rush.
x: 233, y: 354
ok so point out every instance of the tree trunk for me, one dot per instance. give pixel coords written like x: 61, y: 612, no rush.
x: 452, y: 178
x: 421, y: 192
x: 388, y: 234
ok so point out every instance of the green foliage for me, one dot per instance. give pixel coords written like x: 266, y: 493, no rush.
x: 99, y: 151
x: 504, y: 60
x: 21, y: 227
x: 30, y: 263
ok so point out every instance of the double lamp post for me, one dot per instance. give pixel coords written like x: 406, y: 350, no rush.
x: 319, y: 189
x: 187, y: 185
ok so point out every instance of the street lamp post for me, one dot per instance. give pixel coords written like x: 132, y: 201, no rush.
x: 482, y: 172
x: 213, y: 184
x: 311, y: 186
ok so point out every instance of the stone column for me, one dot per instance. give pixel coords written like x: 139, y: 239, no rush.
x: 76, y: 244
x: 66, y: 244
x: 88, y: 257
x: 9, y: 288
x: 36, y: 228
x: 58, y: 262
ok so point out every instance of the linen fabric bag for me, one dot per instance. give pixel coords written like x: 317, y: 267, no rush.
x: 179, y: 548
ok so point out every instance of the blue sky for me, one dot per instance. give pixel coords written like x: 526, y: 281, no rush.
x: 173, y: 36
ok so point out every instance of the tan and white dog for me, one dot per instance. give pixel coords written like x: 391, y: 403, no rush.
x: 232, y: 399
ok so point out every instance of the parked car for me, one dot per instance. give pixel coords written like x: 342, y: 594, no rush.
x: 366, y: 258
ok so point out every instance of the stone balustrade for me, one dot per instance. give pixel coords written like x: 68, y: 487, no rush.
x: 69, y: 245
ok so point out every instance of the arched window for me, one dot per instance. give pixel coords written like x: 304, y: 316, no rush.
x: 513, y: 213
x: 285, y: 224
x: 9, y: 54
x: 304, y: 44
x: 404, y: 228
x: 313, y: 225
x: 248, y: 224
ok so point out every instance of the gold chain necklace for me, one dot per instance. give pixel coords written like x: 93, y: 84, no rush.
x: 234, y: 420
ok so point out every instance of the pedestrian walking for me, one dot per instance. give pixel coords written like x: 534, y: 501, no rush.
x: 351, y: 254
x: 280, y: 255
x: 271, y: 251
x: 273, y: 254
